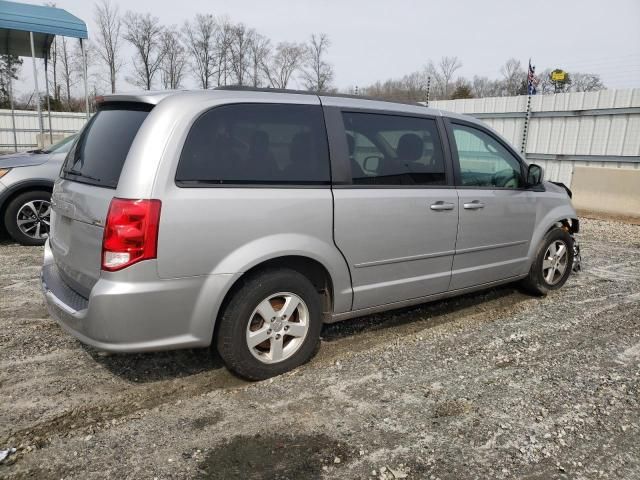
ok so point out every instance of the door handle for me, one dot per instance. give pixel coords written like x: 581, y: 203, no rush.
x: 440, y: 205
x: 475, y: 205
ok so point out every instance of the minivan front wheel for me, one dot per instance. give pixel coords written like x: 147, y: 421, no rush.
x: 553, y: 263
x: 270, y: 325
x: 27, y: 217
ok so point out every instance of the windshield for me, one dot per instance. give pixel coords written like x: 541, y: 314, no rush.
x: 99, y: 154
x: 62, y: 146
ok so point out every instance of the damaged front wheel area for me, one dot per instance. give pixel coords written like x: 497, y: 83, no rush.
x: 577, y: 258
x: 553, y: 263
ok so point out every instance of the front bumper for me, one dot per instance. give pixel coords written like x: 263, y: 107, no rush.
x: 134, y: 310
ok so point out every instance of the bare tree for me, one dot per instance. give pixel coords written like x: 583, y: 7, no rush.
x: 480, y: 86
x: 484, y: 87
x: 109, y: 23
x: 513, y: 75
x: 173, y: 59
x: 288, y: 58
x: 53, y: 61
x: 410, y: 88
x: 68, y: 71
x: 448, y: 67
x: 319, y: 73
x: 586, y: 82
x: 223, y: 41
x: 259, y: 50
x: 240, y: 53
x: 436, y: 90
x: 144, y: 32
x: 200, y: 42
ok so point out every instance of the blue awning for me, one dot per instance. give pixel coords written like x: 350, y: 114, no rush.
x: 18, y: 19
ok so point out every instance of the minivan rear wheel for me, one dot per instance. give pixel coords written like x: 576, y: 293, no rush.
x: 270, y: 325
x: 27, y: 217
x: 553, y: 263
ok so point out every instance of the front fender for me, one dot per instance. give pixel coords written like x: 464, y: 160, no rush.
x: 546, y: 222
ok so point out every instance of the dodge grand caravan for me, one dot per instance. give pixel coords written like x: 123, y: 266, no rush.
x: 246, y: 219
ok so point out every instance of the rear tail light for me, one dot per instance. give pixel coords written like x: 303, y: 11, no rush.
x: 130, y: 233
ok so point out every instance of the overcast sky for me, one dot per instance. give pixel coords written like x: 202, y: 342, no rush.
x: 379, y: 39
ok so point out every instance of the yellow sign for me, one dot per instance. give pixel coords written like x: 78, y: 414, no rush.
x: 558, y: 75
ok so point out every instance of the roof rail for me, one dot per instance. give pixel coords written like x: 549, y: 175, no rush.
x: 311, y: 92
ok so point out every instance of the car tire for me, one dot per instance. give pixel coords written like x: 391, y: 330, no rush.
x: 254, y: 340
x: 23, y: 205
x: 551, y: 267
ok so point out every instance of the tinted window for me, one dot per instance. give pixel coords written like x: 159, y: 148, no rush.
x: 99, y: 154
x: 394, y: 150
x: 257, y: 144
x: 484, y: 162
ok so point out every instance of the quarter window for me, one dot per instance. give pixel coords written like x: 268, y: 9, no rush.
x: 99, y: 154
x: 394, y: 150
x: 483, y: 161
x: 256, y: 144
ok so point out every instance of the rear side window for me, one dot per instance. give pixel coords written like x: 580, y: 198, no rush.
x: 394, y: 150
x: 256, y: 144
x: 99, y: 154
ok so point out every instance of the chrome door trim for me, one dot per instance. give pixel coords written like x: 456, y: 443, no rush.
x: 404, y: 259
x: 491, y: 247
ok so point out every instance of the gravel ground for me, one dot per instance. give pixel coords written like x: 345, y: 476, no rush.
x: 495, y: 384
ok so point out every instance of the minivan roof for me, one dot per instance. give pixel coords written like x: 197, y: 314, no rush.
x: 265, y: 94
x: 328, y: 99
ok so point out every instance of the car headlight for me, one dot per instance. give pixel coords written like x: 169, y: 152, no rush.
x: 4, y: 171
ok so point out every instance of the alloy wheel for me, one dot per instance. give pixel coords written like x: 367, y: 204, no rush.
x: 555, y: 262
x: 33, y: 219
x: 277, y: 327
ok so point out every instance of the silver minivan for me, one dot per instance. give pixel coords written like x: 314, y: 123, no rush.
x: 246, y: 219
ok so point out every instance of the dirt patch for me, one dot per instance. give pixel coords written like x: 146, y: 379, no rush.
x: 452, y: 408
x: 274, y: 457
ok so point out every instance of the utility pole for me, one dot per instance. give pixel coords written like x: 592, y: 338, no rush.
x: 527, y: 116
x: 531, y: 90
x: 428, y: 89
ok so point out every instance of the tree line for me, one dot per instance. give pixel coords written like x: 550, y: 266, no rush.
x: 215, y: 51
x: 439, y: 81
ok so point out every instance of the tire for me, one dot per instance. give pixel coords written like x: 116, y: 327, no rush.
x: 549, y: 272
x: 32, y: 205
x: 247, y: 314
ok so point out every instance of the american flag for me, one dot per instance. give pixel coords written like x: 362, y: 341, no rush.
x: 532, y: 80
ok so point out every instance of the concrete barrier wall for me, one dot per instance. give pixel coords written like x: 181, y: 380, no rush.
x: 611, y: 191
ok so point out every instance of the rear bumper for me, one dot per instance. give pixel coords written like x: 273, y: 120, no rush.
x: 135, y: 311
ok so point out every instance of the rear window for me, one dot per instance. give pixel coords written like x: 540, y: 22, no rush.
x: 99, y: 154
x: 256, y: 144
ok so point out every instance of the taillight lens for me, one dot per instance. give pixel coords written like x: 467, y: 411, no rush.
x: 130, y: 233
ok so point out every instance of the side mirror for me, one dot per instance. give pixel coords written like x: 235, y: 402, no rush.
x: 534, y: 175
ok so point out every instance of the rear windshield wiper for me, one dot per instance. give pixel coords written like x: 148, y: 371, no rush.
x: 78, y: 173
